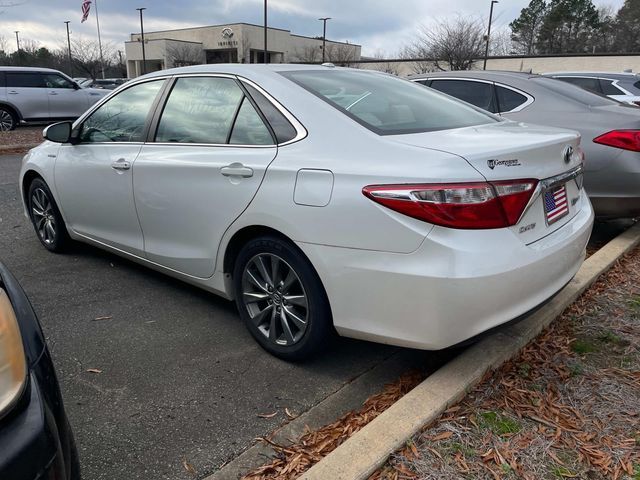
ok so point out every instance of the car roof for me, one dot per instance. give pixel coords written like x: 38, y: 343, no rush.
x: 480, y: 74
x: 28, y: 69
x: 612, y: 75
x: 241, y: 69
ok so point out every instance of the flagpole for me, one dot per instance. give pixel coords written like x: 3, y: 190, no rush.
x: 99, y: 39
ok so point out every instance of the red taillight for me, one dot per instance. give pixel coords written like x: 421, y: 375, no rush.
x: 625, y: 139
x: 458, y: 205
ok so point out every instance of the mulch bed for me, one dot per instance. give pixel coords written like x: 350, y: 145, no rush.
x: 566, y: 407
x: 20, y: 140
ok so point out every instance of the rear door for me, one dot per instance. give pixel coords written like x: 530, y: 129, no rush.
x: 26, y: 91
x: 208, y: 156
x: 65, y: 100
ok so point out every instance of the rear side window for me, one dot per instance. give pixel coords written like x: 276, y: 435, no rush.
x: 385, y: 104
x: 24, y: 80
x: 637, y: 84
x: 508, y: 99
x: 608, y: 88
x: 590, y: 84
x: 282, y: 129
x: 249, y: 129
x: 3, y: 82
x: 479, y: 94
x: 424, y: 82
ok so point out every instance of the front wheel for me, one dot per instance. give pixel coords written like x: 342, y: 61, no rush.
x: 281, y: 299
x: 46, y: 218
x: 8, y: 120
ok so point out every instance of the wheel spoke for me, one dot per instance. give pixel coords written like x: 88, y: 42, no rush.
x: 256, y: 282
x: 297, y: 300
x: 299, y: 322
x: 258, y: 318
x: 51, y: 230
x: 272, y: 326
x: 36, y: 202
x: 259, y: 263
x: 275, y: 270
x: 252, y: 297
x: 288, y: 282
x: 286, y: 328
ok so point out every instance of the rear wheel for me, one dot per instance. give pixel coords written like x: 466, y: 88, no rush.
x: 46, y: 218
x: 8, y: 120
x: 281, y: 299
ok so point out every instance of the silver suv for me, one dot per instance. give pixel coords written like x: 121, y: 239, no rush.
x: 41, y: 94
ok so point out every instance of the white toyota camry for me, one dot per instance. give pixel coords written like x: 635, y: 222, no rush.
x: 320, y: 198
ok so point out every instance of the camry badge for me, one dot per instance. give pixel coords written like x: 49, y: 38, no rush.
x: 567, y: 153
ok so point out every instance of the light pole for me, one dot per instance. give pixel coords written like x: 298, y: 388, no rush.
x: 69, y: 47
x: 324, y: 35
x: 17, y: 40
x: 486, y: 51
x: 144, y: 57
x: 266, y: 59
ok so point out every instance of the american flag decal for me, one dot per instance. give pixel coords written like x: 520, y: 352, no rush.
x: 86, y: 6
x: 555, y: 204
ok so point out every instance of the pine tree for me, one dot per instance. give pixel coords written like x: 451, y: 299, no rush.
x: 628, y: 27
x: 525, y: 28
x: 568, y: 27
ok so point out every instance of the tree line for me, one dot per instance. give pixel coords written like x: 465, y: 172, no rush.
x: 576, y: 26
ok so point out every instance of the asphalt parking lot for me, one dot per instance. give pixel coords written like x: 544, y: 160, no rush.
x: 180, y: 377
x: 155, y: 372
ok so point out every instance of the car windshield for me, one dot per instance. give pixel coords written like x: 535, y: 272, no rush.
x: 574, y: 92
x: 388, y: 105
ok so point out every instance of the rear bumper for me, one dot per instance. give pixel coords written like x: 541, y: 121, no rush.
x: 457, y: 285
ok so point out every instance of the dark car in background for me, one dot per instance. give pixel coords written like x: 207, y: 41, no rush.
x: 36, y: 441
x: 107, y: 83
x: 623, y: 87
x: 610, y: 130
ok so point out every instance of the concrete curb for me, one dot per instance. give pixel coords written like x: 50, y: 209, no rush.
x: 368, y: 449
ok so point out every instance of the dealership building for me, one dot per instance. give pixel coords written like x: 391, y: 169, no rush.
x: 233, y: 43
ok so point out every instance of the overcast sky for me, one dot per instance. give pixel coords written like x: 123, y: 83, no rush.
x: 377, y: 25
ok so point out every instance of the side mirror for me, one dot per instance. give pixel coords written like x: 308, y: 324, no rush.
x: 58, y: 132
x: 76, y: 86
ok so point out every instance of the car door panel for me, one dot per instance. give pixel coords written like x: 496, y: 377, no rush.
x: 26, y: 91
x: 96, y: 198
x: 65, y: 101
x: 186, y: 201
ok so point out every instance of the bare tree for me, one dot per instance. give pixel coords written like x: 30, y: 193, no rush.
x: 385, y: 66
x: 501, y: 44
x: 245, y: 49
x: 417, y: 58
x: 86, y: 56
x: 452, y: 44
x: 181, y: 54
x: 341, y: 54
x: 3, y: 44
x: 310, y: 54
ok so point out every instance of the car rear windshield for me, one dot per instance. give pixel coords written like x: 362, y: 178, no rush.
x: 575, y: 93
x: 388, y: 105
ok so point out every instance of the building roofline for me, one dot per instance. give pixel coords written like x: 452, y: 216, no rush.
x: 329, y: 41
x: 147, y: 40
x: 212, y: 26
x: 502, y: 57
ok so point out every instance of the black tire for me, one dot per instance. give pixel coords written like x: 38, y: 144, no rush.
x: 8, y: 119
x: 40, y: 200
x: 291, y: 339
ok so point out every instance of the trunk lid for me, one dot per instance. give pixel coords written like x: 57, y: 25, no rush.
x: 511, y: 151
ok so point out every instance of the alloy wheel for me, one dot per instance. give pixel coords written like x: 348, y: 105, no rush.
x: 275, y: 299
x: 6, y: 121
x: 43, y: 216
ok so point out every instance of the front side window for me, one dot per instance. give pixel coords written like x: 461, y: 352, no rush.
x: 387, y: 105
x: 479, y: 94
x: 24, y: 80
x: 508, y: 99
x: 51, y: 80
x: 123, y: 117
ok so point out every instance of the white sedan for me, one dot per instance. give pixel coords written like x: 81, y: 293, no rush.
x: 320, y: 199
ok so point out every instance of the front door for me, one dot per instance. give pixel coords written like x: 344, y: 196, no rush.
x: 94, y: 177
x: 65, y: 99
x: 211, y: 151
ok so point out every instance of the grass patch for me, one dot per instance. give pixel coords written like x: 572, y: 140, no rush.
x: 607, y: 336
x: 563, y: 472
x: 455, y: 447
x: 576, y: 369
x: 582, y: 347
x: 524, y: 370
x: 499, y: 424
x: 634, y: 303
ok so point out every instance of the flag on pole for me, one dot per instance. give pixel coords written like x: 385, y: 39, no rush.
x: 86, y: 6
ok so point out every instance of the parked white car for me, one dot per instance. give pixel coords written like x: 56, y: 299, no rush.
x: 320, y: 197
x: 623, y: 87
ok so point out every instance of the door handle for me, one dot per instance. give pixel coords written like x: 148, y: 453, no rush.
x: 121, y: 164
x: 12, y: 92
x: 52, y: 93
x: 236, y: 170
